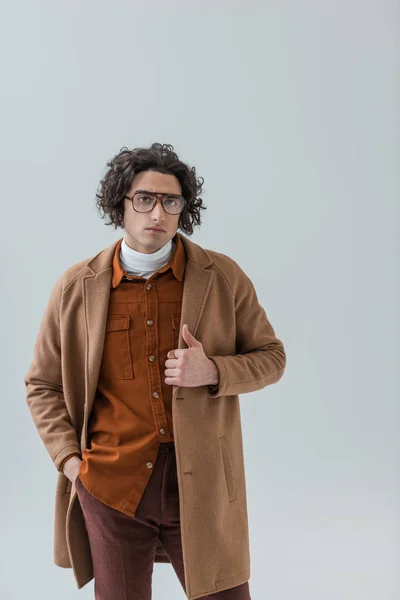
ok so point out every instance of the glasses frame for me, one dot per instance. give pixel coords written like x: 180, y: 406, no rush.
x: 156, y: 194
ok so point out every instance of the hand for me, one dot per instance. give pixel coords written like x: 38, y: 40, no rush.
x: 190, y: 366
x: 71, y: 467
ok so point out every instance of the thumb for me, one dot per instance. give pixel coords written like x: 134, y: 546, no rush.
x: 189, y: 338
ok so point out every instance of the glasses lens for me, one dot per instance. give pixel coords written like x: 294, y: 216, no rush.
x: 173, y: 205
x: 145, y: 203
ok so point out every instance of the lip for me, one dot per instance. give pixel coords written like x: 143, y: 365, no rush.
x: 155, y: 230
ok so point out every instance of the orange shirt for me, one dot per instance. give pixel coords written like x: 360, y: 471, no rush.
x: 132, y: 411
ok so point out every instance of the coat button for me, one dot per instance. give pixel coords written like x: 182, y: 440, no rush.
x: 162, y: 431
x: 156, y: 395
x: 150, y: 322
x: 149, y: 465
x: 148, y: 286
x: 152, y: 357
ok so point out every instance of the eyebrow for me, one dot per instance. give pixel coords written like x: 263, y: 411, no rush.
x: 164, y: 193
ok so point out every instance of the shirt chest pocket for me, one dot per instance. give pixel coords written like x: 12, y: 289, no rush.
x: 117, y: 356
x: 176, y: 319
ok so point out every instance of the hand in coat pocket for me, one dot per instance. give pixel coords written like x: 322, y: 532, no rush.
x: 71, y: 468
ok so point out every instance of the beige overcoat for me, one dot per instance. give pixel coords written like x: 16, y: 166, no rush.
x: 221, y: 308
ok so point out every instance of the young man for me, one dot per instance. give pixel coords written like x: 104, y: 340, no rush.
x: 134, y: 389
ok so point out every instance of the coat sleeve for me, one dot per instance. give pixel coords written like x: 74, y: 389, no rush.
x: 260, y: 359
x: 44, y: 389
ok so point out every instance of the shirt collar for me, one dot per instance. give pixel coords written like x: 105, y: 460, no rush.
x: 176, y: 263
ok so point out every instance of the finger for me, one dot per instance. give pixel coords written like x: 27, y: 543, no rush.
x: 170, y: 372
x: 171, y: 362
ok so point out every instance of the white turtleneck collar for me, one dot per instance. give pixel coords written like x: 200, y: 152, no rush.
x: 142, y: 264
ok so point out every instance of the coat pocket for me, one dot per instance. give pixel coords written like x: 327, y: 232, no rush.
x: 117, y: 358
x: 228, y: 468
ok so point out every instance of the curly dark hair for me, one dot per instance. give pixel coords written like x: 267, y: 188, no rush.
x: 159, y: 157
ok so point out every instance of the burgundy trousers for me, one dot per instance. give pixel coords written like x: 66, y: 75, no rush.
x: 123, y: 548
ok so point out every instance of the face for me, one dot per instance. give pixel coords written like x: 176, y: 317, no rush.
x: 137, y: 235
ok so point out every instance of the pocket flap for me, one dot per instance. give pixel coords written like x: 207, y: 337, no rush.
x: 118, y: 322
x: 176, y: 320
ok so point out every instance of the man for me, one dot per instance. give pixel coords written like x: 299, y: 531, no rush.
x: 134, y: 389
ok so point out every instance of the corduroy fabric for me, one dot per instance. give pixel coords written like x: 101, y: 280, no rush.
x: 132, y: 411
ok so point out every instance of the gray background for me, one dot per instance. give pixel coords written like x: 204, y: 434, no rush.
x: 288, y: 111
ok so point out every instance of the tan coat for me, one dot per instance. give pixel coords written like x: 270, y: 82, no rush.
x: 222, y: 310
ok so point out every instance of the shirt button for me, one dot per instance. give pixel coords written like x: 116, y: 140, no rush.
x: 148, y: 286
x: 150, y: 322
x: 152, y: 357
x: 149, y: 465
x: 156, y: 394
x: 162, y: 431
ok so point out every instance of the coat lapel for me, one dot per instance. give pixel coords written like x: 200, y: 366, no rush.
x: 96, y: 292
x: 196, y: 287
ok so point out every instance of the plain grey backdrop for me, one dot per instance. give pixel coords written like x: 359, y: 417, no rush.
x: 289, y: 110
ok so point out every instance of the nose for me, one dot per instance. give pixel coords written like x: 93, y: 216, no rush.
x: 158, y: 211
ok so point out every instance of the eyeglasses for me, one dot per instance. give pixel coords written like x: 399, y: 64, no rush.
x: 143, y: 201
